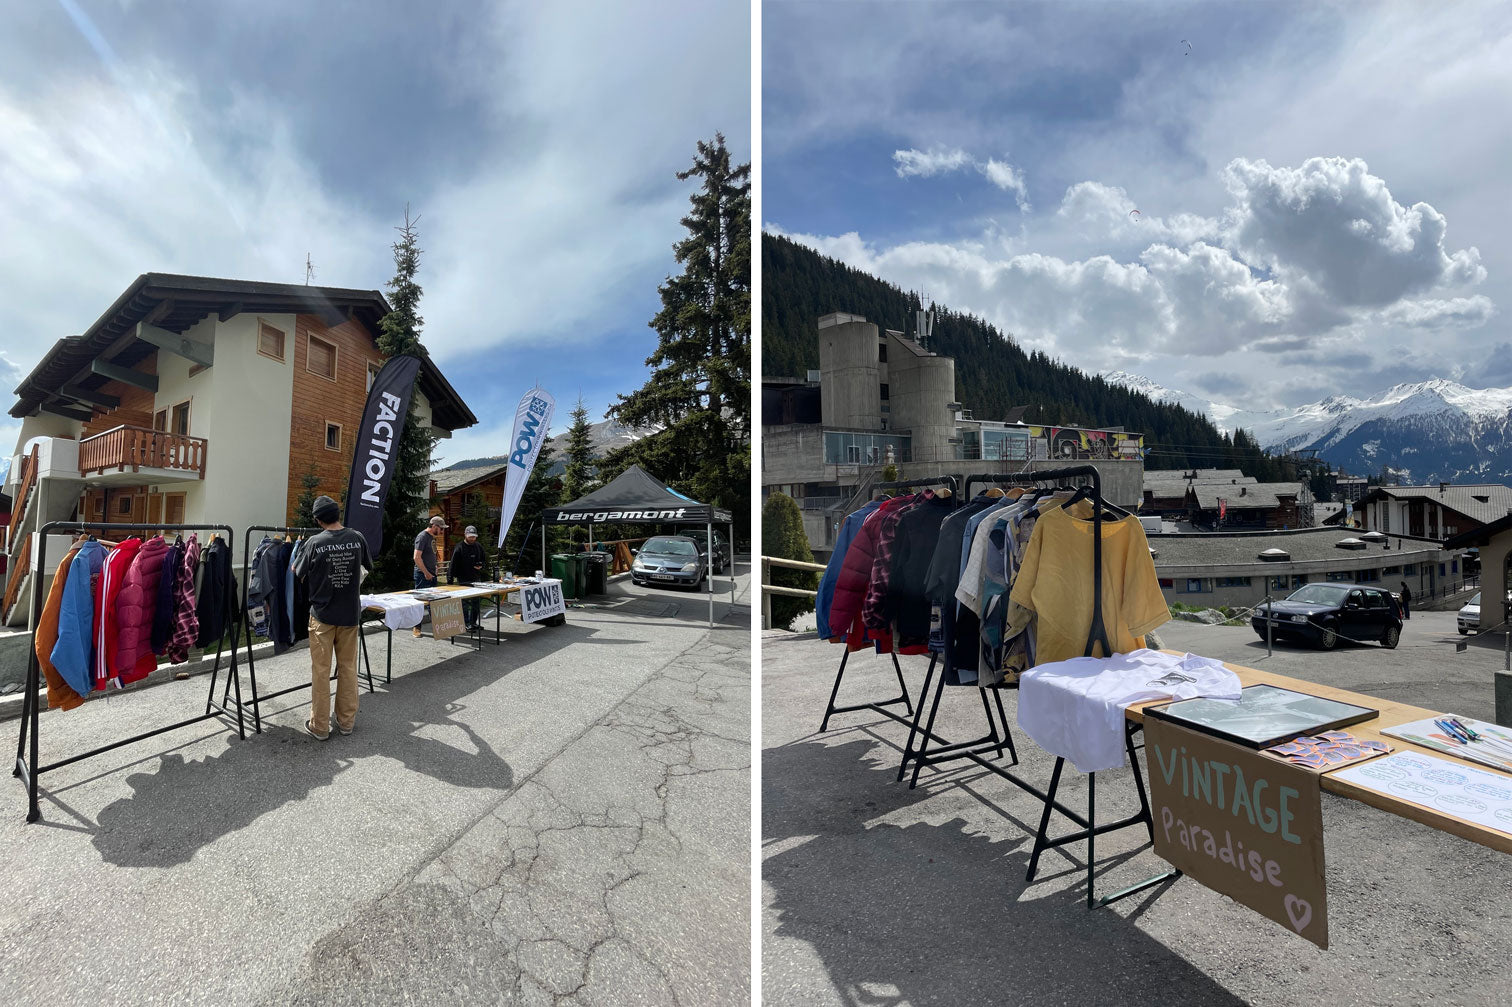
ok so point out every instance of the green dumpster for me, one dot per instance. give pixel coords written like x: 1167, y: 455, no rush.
x: 564, y: 568
x: 598, y: 573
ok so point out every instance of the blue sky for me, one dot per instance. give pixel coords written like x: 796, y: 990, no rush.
x: 538, y: 143
x: 1322, y: 198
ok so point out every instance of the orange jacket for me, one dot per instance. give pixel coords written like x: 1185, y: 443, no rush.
x: 59, y: 695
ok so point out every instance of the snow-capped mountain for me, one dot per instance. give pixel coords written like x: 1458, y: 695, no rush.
x: 1425, y: 431
x: 605, y: 436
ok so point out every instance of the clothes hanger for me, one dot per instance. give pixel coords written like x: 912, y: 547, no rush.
x: 943, y: 492
x: 996, y: 493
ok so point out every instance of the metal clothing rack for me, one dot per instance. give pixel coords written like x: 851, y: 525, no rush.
x: 246, y: 627
x: 1096, y: 634
x: 28, y: 765
x: 881, y: 706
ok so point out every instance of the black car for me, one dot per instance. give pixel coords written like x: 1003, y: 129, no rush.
x: 1326, y: 613
x: 721, y: 547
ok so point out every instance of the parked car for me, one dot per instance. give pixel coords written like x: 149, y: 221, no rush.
x: 1469, y: 616
x: 721, y: 547
x: 669, y: 559
x: 1325, y: 613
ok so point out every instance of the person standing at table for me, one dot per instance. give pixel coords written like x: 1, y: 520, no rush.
x: 467, y: 563
x: 332, y: 565
x: 425, y: 556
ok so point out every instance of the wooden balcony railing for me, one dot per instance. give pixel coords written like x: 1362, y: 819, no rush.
x: 19, y: 571
x: 135, y: 447
x: 23, y: 492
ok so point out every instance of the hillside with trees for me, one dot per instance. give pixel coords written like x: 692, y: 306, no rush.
x: 993, y: 373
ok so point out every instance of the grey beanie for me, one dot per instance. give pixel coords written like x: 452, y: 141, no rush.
x: 325, y: 509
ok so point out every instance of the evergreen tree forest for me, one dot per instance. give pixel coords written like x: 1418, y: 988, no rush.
x: 578, y: 477
x: 993, y: 373
x: 699, y: 389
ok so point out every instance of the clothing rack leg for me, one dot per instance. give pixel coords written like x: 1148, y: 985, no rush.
x: 1144, y: 801
x: 1091, y: 837
x: 997, y: 694
x: 934, y: 708
x: 902, y: 685
x: 27, y: 699
x: 367, y: 664
x: 241, y: 717
x: 252, y: 677
x: 839, y: 674
x: 1039, y: 837
x: 913, y: 727
x: 987, y: 709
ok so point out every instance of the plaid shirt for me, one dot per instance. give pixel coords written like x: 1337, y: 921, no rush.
x: 185, y: 620
x: 874, y: 607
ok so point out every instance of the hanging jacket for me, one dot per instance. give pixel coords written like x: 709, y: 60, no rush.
x: 73, y: 654
x: 874, y: 613
x: 917, y: 534
x: 280, y: 623
x: 162, y: 615
x: 135, y: 607
x: 59, y: 695
x: 185, y: 622
x: 216, y: 598
x: 288, y: 585
x: 106, y: 637
x: 826, y: 592
x: 855, y: 578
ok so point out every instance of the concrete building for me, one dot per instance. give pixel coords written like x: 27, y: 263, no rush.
x: 1349, y: 488
x: 1238, y: 568
x: 194, y: 399
x: 1440, y: 511
x: 881, y: 397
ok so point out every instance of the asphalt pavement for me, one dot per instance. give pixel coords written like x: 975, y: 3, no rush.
x: 877, y: 894
x: 561, y: 819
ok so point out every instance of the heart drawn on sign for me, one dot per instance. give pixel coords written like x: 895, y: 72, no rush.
x: 1299, y: 911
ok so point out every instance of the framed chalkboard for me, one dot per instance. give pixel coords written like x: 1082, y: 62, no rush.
x: 1264, y: 715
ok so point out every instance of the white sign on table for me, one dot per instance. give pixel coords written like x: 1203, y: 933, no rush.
x: 1439, y: 785
x: 541, y: 601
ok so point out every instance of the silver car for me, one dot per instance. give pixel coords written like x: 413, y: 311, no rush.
x: 1469, y: 616
x: 669, y: 559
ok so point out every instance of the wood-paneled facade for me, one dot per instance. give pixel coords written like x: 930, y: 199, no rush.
x: 319, y: 400
x: 452, y: 504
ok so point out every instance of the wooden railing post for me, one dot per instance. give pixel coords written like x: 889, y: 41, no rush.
x: 766, y: 596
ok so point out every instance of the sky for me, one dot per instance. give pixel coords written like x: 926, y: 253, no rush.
x: 1260, y: 203
x: 538, y: 145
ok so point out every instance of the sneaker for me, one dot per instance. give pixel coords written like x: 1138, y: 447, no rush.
x: 310, y: 730
x: 417, y: 633
x: 344, y: 730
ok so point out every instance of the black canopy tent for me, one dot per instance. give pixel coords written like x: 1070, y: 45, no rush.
x: 635, y: 496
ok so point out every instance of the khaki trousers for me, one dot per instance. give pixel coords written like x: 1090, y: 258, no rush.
x: 326, y: 640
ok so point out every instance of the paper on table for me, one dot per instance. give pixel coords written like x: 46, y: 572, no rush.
x: 1440, y: 785
x: 1428, y: 734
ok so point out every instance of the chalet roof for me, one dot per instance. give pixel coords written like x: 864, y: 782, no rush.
x: 1246, y: 495
x: 1483, y: 502
x: 174, y: 302
x: 451, y: 480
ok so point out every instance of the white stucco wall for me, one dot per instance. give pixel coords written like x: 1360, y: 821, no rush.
x: 248, y: 428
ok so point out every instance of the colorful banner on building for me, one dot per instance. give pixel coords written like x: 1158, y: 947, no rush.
x: 531, y: 428
x: 377, y: 450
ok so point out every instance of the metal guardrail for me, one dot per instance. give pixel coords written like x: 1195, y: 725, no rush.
x: 769, y: 590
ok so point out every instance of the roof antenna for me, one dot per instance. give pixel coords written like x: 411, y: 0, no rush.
x: 309, y: 269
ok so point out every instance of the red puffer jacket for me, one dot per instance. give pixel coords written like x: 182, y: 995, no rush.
x: 135, y: 607
x: 855, y: 578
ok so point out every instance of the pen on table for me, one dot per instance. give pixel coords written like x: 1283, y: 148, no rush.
x: 1443, y: 725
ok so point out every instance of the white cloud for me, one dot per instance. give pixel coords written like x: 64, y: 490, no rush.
x: 1458, y: 312
x: 1107, y: 212
x: 925, y: 164
x: 912, y: 163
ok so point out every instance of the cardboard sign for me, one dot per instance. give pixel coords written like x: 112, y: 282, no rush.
x: 1241, y: 823
x: 446, y: 618
x: 541, y: 601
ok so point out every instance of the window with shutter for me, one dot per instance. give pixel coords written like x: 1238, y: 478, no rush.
x: 321, y: 358
x: 270, y: 341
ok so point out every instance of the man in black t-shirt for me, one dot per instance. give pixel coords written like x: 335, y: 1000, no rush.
x: 332, y: 565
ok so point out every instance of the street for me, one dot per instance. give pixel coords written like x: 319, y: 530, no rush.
x: 874, y: 893
x: 564, y: 818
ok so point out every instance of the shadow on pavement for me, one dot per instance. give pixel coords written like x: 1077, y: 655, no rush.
x: 934, y: 914
x: 182, y: 805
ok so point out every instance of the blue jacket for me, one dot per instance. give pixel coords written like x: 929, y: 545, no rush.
x: 836, y: 561
x: 73, y: 654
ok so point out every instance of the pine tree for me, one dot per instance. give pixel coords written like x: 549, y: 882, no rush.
x: 405, y: 508
x: 304, y: 507
x: 699, y: 391
x: 782, y: 535
x: 578, y: 477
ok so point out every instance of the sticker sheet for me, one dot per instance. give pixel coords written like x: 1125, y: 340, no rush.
x: 1475, y: 795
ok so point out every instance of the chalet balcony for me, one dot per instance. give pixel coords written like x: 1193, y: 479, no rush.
x: 125, y: 454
